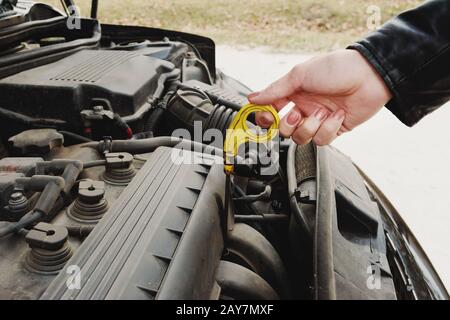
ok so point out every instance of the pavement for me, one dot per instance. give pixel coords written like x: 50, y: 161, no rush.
x: 410, y: 165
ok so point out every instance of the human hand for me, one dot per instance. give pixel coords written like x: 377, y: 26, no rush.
x: 333, y: 93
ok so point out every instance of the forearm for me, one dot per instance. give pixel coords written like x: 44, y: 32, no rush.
x: 412, y: 54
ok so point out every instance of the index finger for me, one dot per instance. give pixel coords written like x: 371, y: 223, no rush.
x: 280, y: 89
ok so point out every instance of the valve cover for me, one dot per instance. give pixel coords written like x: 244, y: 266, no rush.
x: 165, y: 224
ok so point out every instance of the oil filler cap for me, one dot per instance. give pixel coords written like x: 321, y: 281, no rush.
x: 37, y: 141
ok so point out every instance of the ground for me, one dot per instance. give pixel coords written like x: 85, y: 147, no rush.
x: 306, y: 25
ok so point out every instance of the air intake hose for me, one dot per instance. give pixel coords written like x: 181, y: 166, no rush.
x: 189, y: 105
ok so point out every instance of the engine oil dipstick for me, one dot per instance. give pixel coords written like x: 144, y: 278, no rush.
x: 239, y: 133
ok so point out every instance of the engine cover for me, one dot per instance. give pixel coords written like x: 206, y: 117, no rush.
x: 162, y: 239
x: 60, y: 90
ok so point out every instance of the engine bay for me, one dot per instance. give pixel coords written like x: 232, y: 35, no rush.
x: 109, y: 191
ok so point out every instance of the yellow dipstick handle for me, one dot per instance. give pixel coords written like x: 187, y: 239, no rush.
x: 238, y: 133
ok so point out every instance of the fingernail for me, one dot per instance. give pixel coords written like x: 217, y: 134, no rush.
x: 338, y: 115
x: 293, y: 118
x: 320, y: 114
x: 253, y: 95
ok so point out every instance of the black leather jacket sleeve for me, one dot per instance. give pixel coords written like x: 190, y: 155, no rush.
x: 412, y: 54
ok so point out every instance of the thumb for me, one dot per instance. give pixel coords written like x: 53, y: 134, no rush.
x: 280, y: 89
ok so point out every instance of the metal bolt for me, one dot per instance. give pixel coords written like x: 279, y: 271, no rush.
x: 190, y: 55
x: 18, y: 203
x: 16, y: 196
x: 97, y: 109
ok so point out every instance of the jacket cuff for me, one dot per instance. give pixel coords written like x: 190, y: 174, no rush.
x: 398, y: 107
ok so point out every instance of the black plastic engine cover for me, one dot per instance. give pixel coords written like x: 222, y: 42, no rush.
x: 60, y: 90
x: 162, y: 239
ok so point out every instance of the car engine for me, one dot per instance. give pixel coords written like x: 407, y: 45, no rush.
x: 108, y: 190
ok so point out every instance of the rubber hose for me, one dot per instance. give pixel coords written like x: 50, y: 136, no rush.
x: 151, y: 144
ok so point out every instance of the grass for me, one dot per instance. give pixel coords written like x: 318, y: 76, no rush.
x: 283, y: 25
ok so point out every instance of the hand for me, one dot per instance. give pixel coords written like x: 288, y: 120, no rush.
x: 333, y: 93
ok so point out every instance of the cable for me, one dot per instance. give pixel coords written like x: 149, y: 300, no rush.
x: 56, y: 189
x: 265, y: 195
x: 242, y: 194
x: 29, y: 121
x: 26, y: 220
x: 261, y: 218
x: 151, y: 144
x: 94, y: 163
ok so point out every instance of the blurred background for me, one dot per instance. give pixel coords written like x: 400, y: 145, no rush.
x: 259, y: 41
x: 282, y: 25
